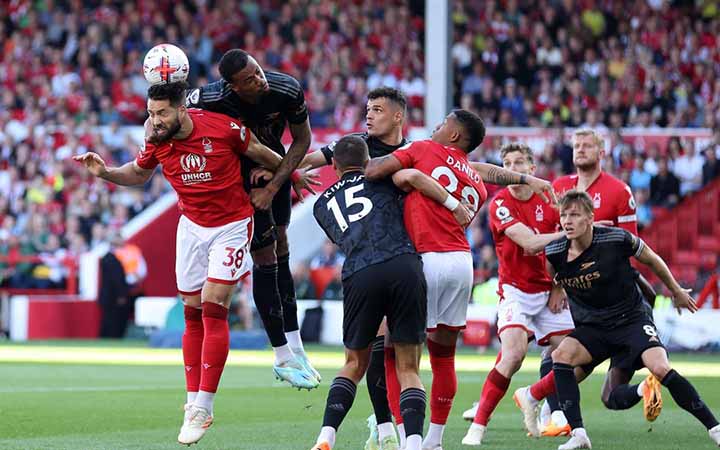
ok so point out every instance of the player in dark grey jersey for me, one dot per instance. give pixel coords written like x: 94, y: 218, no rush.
x: 592, y: 265
x: 386, y: 110
x: 265, y: 102
x: 382, y: 276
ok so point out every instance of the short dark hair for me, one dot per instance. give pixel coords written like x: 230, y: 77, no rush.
x: 474, y: 128
x: 175, y: 92
x: 394, y: 95
x: 517, y: 147
x: 350, y: 151
x: 575, y: 197
x: 232, y: 62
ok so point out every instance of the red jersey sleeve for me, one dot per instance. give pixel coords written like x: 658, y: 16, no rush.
x: 626, y: 216
x: 146, y: 157
x: 408, y: 155
x: 240, y: 136
x: 502, y: 215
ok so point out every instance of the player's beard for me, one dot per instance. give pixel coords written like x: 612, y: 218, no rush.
x: 169, y: 133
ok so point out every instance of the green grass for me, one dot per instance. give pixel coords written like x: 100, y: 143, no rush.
x: 110, y: 396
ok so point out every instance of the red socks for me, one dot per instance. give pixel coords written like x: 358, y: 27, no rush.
x: 543, y: 387
x: 444, y: 384
x: 494, y: 389
x: 215, y: 345
x: 392, y: 384
x: 192, y: 341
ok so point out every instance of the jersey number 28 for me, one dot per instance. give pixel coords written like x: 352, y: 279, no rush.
x: 350, y: 200
x: 469, y: 194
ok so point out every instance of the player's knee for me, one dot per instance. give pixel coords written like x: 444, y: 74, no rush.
x: 659, y: 369
x: 406, y: 367
x: 264, y: 256
x: 562, y: 356
x: 356, y: 365
x: 512, y: 360
x: 282, y: 241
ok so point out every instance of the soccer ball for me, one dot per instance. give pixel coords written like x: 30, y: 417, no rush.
x: 165, y: 63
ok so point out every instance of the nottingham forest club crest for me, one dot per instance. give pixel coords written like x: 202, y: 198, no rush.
x: 194, y: 166
x: 539, y: 213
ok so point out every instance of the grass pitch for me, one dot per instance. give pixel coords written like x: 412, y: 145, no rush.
x: 123, y: 396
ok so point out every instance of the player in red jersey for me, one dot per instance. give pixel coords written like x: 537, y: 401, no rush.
x: 200, y: 156
x: 447, y: 263
x: 521, y: 224
x: 614, y: 205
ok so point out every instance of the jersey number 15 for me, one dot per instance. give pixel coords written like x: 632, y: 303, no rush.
x: 350, y: 200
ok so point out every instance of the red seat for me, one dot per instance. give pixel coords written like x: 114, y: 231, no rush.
x: 708, y: 261
x: 708, y: 243
x: 687, y: 224
x: 687, y: 258
x: 667, y: 242
x: 710, y: 208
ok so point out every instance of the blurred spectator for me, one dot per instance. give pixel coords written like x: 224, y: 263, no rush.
x: 689, y: 169
x: 304, y: 288
x: 639, y: 178
x: 241, y: 316
x: 711, y: 168
x: 329, y: 256
x: 113, y: 297
x: 643, y: 209
x: 664, y: 187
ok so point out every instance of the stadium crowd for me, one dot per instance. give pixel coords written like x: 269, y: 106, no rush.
x: 70, y: 76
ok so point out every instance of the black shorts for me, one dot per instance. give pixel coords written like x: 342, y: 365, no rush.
x: 396, y: 289
x: 265, y: 221
x: 626, y: 343
x: 626, y: 361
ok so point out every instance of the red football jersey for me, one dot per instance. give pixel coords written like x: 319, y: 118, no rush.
x: 432, y: 228
x: 517, y: 268
x: 204, y: 169
x: 612, y: 199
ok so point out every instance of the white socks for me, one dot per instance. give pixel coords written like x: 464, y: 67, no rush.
x: 327, y: 434
x: 205, y: 400
x: 414, y: 442
x: 283, y: 354
x: 434, y: 435
x: 385, y: 430
x: 640, y: 388
x: 293, y: 338
x: 191, y: 396
x: 401, y: 434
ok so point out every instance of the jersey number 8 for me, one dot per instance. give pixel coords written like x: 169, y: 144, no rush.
x: 469, y: 194
x: 350, y: 200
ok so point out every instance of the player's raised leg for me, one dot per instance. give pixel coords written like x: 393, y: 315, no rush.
x: 215, y: 348
x: 287, y: 366
x: 286, y: 288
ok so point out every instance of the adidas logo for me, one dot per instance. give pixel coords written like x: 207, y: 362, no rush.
x: 188, y: 368
x: 337, y: 407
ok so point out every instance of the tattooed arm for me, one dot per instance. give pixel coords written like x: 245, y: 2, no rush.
x: 490, y: 173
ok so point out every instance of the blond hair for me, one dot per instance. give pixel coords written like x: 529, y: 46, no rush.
x: 599, y: 141
x: 517, y: 147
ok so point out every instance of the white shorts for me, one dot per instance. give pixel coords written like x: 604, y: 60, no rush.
x: 217, y: 254
x: 449, y: 277
x: 531, y: 313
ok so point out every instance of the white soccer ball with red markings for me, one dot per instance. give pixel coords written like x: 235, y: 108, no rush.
x: 165, y: 63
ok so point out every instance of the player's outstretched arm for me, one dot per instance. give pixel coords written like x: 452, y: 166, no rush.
x: 681, y: 297
x: 557, y: 300
x: 313, y: 160
x: 302, y: 136
x: 129, y: 174
x: 382, y: 167
x: 409, y: 179
x: 490, y: 173
x: 526, y: 238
